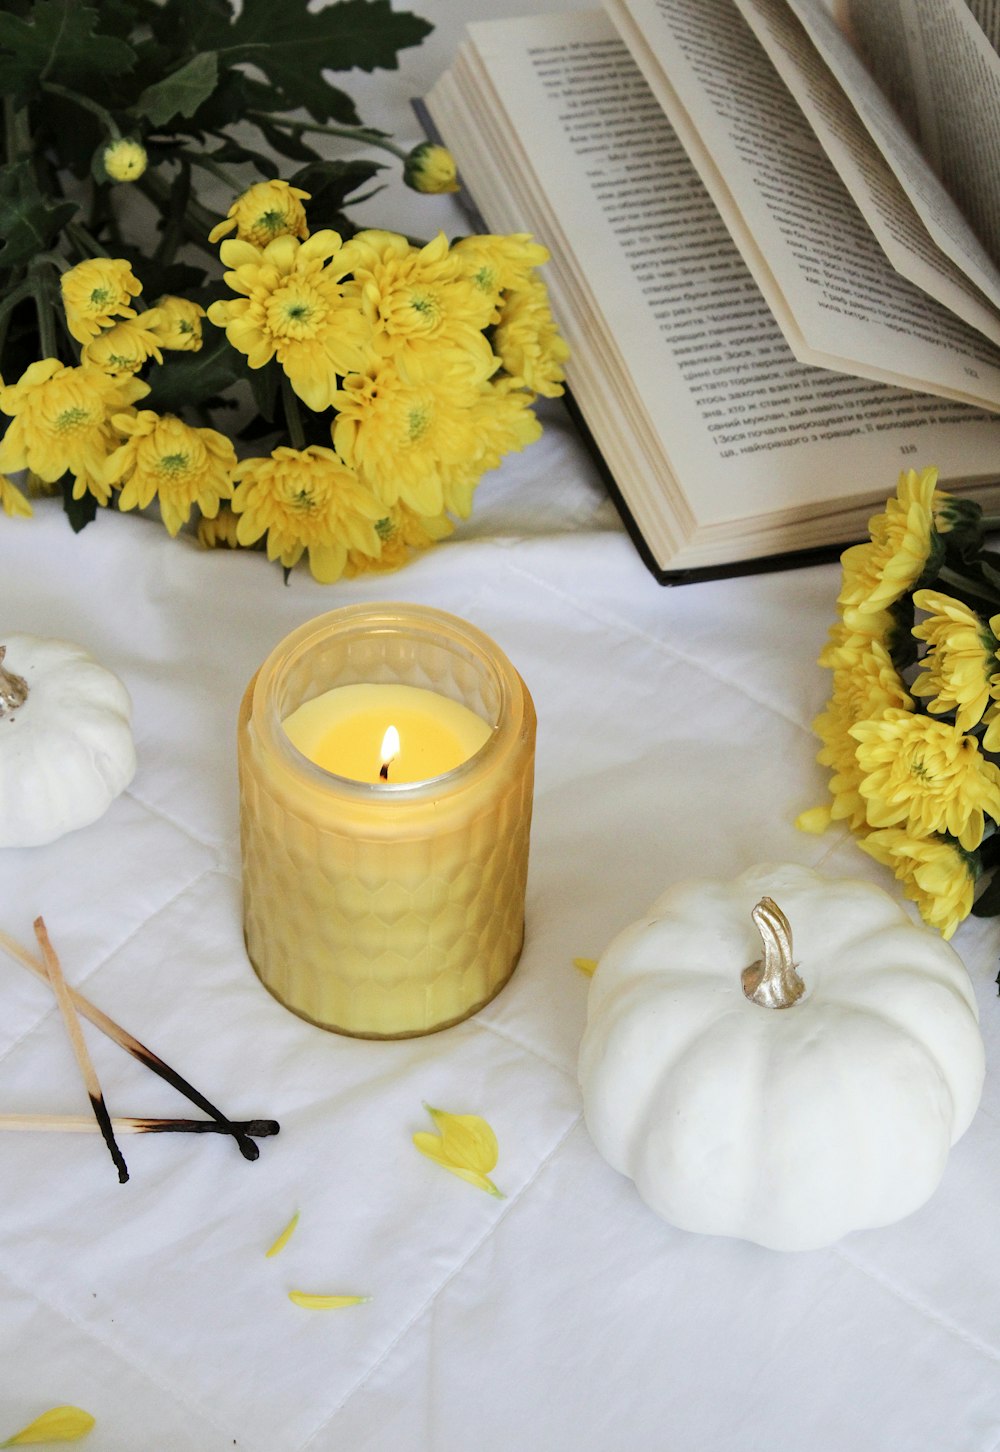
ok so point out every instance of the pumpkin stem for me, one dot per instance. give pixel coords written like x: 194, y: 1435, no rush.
x: 772, y: 981
x: 13, y: 689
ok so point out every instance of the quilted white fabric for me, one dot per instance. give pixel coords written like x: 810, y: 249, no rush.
x: 673, y: 741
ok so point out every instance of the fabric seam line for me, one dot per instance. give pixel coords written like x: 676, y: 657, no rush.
x: 458, y: 1269
x: 170, y: 1389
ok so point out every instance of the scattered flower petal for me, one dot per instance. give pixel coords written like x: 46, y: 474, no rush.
x: 324, y: 1303
x: 466, y: 1146
x: 60, y: 1424
x: 585, y: 965
x: 284, y: 1237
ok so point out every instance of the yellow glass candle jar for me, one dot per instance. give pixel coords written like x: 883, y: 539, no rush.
x: 377, y: 908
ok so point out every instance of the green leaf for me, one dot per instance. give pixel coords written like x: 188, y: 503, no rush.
x: 264, y: 384
x: 28, y: 221
x: 987, y: 904
x: 183, y: 378
x: 233, y: 152
x: 79, y: 512
x: 181, y: 92
x: 286, y: 143
x: 184, y: 25
x: 293, y: 46
x: 330, y: 183
x: 57, y: 42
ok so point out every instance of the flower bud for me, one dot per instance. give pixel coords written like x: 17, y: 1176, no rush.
x: 124, y: 159
x: 430, y: 168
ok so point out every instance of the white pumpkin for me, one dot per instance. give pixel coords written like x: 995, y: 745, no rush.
x: 824, y: 1104
x: 66, y: 748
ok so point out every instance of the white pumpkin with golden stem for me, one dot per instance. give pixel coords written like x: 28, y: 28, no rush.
x: 786, y: 1105
x: 66, y: 748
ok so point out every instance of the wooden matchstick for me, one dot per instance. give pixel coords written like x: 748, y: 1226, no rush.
x: 79, y: 1045
x: 132, y: 1045
x: 83, y: 1124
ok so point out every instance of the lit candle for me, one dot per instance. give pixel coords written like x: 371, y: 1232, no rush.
x: 384, y: 882
x: 347, y: 729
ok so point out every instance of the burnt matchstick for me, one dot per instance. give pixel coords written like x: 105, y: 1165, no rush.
x: 138, y: 1050
x: 91, y: 1082
x: 133, y: 1124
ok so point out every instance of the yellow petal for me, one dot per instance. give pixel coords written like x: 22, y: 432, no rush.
x: 60, y: 1424
x: 815, y: 820
x: 324, y: 1303
x: 467, y: 1140
x: 284, y: 1237
x: 432, y: 1146
x: 585, y: 965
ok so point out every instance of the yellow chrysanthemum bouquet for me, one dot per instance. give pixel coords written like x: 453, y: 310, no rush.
x: 386, y: 376
x: 911, y: 732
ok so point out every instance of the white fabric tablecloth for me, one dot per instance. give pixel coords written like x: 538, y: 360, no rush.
x: 673, y: 740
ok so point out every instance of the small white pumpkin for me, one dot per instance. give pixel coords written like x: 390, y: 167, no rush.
x: 746, y: 1100
x: 66, y: 748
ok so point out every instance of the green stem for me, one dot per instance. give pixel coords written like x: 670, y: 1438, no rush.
x: 44, y: 310
x: 173, y: 222
x: 197, y: 220
x: 94, y: 107
x: 293, y: 418
x: 222, y: 172
x: 18, y: 138
x: 972, y: 587
x: 352, y: 133
x: 84, y: 240
x: 16, y: 295
x: 990, y: 523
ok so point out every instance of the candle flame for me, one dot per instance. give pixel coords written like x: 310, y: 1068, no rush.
x: 390, y: 749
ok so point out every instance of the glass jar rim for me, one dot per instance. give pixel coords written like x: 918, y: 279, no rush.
x: 401, y: 619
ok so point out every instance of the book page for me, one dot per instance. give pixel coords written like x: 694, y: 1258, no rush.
x: 858, y: 161
x: 840, y: 303
x: 943, y: 76
x: 676, y: 356
x: 987, y: 16
x: 939, y: 213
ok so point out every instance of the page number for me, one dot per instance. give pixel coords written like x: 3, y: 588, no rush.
x: 907, y: 448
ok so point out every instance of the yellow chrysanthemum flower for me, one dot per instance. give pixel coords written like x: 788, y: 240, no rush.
x: 165, y: 459
x: 527, y: 341
x: 125, y: 160
x: 220, y: 531
x: 865, y: 685
x: 961, y: 661
x: 424, y: 305
x: 400, y: 532
x: 267, y: 210
x: 876, y: 625
x: 178, y: 324
x: 431, y: 168
x: 926, y: 774
x: 125, y: 347
x: 295, y: 308
x: 306, y: 500
x: 499, y: 264
x: 934, y: 873
x: 62, y: 422
x: 880, y: 572
x: 505, y: 423
x: 40, y: 488
x: 399, y: 436
x: 12, y: 501
x: 95, y: 293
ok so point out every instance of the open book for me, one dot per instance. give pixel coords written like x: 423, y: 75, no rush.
x: 773, y: 304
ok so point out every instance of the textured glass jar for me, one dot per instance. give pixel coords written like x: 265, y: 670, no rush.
x: 385, y: 910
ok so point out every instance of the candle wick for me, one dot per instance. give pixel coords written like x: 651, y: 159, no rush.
x: 384, y: 771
